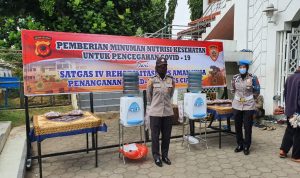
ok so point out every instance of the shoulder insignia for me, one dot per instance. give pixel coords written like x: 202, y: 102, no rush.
x: 170, y: 76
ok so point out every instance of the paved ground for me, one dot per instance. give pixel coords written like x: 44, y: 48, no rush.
x: 263, y: 160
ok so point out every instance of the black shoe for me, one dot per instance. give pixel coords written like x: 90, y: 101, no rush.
x: 238, y: 149
x: 246, y: 151
x: 158, y: 162
x: 166, y: 160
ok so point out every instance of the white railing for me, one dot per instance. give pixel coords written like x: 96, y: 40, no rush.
x: 165, y: 32
x: 255, y: 40
x: 281, y: 69
x: 255, y: 25
x: 215, y: 7
x: 169, y: 32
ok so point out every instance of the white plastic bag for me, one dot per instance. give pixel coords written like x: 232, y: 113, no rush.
x: 180, y: 111
x: 130, y: 147
x: 295, y: 120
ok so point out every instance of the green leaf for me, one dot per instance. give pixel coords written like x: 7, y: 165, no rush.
x: 196, y: 8
x: 103, y: 24
x: 77, y: 2
x: 155, y: 1
x: 139, y: 31
x: 110, y: 4
x: 127, y: 11
x: 121, y: 17
x: 95, y: 25
x: 10, y: 20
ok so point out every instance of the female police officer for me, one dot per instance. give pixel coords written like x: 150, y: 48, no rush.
x: 244, y: 86
x: 160, y: 89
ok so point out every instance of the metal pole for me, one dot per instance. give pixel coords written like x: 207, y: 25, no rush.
x: 192, y: 127
x: 96, y: 148
x: 119, y: 139
x: 21, y: 95
x: 91, y: 102
x: 40, y: 158
x: 225, y: 93
x: 145, y: 109
x: 92, y: 111
x: 51, y: 100
x: 220, y: 133
x: 87, y: 142
x: 28, y: 159
x: 6, y: 98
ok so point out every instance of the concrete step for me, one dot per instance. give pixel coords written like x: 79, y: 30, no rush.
x: 5, y: 128
x: 103, y: 108
x: 97, y: 102
x: 108, y: 95
x: 103, y: 102
x: 12, y: 158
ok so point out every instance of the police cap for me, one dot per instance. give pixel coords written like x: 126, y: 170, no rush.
x: 161, y: 61
x: 244, y: 62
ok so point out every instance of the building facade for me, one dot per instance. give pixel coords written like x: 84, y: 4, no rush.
x: 268, y: 29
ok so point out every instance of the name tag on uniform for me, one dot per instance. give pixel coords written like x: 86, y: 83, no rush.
x: 169, y: 85
x: 156, y: 85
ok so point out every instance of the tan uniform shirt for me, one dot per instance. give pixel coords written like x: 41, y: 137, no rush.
x: 159, y: 94
x: 243, y: 93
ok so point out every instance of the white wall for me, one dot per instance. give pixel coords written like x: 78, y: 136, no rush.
x: 240, y: 24
x: 257, y: 42
x: 205, y: 5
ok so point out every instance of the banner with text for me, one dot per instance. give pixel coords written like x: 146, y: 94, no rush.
x: 58, y: 62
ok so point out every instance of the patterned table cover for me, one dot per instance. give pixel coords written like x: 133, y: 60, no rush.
x: 220, y: 111
x: 44, y: 128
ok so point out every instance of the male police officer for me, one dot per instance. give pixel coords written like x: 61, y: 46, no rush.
x: 160, y: 89
x: 244, y: 86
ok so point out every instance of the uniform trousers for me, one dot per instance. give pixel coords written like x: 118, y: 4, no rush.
x: 243, y: 118
x: 163, y: 125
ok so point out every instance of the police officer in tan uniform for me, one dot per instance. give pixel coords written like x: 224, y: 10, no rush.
x: 244, y: 86
x: 160, y: 89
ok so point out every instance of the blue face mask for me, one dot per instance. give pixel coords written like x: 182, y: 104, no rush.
x: 243, y: 71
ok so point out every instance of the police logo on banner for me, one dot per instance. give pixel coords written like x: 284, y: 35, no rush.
x: 213, y: 52
x: 42, y: 46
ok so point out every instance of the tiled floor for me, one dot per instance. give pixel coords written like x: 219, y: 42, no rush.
x: 263, y: 160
